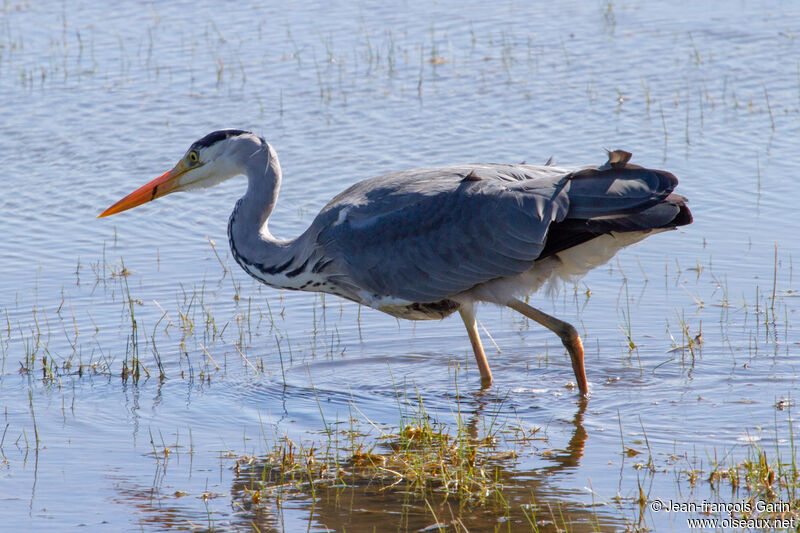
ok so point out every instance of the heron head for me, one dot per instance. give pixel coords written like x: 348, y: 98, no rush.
x: 208, y: 161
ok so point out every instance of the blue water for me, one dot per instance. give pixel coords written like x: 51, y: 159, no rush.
x: 97, y: 101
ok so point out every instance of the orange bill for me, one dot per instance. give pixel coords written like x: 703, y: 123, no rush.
x: 160, y: 186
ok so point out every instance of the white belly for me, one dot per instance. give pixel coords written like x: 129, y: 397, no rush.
x: 568, y: 265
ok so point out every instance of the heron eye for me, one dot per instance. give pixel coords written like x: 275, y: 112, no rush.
x: 193, y: 158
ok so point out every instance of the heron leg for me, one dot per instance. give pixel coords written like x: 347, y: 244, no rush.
x: 468, y: 316
x: 566, y: 332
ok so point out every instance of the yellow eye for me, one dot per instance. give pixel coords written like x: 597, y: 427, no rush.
x: 193, y: 157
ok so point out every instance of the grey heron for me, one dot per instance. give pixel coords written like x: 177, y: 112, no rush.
x: 422, y: 244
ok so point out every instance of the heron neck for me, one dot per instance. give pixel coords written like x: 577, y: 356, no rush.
x: 251, y: 242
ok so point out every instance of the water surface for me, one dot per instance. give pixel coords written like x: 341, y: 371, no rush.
x: 98, y: 101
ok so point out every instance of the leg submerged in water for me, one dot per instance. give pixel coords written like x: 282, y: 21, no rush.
x: 566, y: 332
x: 468, y: 316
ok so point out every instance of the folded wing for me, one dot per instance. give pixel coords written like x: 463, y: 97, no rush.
x: 424, y: 235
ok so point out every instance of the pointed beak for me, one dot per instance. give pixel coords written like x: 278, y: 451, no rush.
x: 162, y: 185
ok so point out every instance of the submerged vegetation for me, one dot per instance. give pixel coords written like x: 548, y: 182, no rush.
x: 168, y: 391
x: 456, y: 468
x: 420, y: 471
x: 437, y: 481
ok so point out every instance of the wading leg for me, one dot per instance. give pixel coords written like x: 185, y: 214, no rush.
x: 468, y: 316
x: 566, y: 332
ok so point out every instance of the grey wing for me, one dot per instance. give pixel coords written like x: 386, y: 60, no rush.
x: 426, y: 235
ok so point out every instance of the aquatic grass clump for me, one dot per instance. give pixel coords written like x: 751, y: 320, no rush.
x: 434, y: 473
x: 773, y: 485
x: 422, y: 461
x: 767, y: 485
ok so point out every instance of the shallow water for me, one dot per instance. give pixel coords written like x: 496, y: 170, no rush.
x: 97, y: 102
